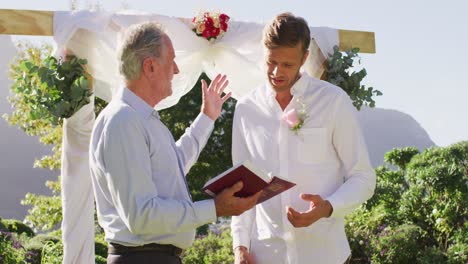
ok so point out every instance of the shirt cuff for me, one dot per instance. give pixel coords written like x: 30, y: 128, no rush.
x: 337, y: 207
x: 240, y: 239
x: 206, y: 211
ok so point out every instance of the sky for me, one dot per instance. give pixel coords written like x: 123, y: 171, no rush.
x: 421, y: 62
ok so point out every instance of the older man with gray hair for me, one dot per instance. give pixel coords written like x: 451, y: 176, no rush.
x: 138, y: 170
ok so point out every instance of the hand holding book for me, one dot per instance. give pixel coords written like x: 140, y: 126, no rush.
x: 227, y: 204
x: 253, y: 181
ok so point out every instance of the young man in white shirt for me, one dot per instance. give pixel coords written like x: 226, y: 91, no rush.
x: 138, y: 170
x: 325, y: 155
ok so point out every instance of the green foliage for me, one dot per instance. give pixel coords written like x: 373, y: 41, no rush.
x: 52, y: 252
x: 401, y: 244
x: 216, y: 156
x: 33, y: 250
x: 46, y: 211
x: 212, y: 248
x: 338, y: 72
x: 3, y: 227
x: 401, y: 157
x: 418, y: 211
x: 51, y: 88
x: 11, y: 251
x: 18, y: 227
x: 458, y: 250
x: 100, y: 247
x: 31, y: 95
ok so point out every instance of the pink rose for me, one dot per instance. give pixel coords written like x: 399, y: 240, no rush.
x: 291, y: 118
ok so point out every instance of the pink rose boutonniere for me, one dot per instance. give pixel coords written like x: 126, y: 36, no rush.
x: 295, y: 119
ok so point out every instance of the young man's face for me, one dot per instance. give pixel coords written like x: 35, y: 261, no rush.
x: 283, y: 65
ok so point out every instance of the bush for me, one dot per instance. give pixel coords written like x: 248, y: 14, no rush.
x: 3, y: 226
x: 33, y: 250
x: 18, y: 227
x: 458, y: 250
x: 398, y: 245
x: 418, y: 211
x: 52, y: 252
x: 212, y: 248
x: 100, y: 248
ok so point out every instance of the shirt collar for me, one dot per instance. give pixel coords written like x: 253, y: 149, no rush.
x: 300, y: 86
x: 138, y: 104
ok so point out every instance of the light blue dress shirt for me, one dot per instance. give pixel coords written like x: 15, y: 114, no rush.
x: 138, y: 174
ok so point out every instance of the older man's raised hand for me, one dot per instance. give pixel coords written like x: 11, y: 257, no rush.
x: 212, y: 96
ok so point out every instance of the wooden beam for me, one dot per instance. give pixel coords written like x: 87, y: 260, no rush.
x: 363, y: 40
x: 29, y: 22
x: 26, y: 22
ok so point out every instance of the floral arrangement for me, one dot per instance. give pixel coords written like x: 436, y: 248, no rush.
x: 210, y: 25
x: 294, y: 118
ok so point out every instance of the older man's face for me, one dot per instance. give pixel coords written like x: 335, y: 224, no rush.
x: 167, y: 67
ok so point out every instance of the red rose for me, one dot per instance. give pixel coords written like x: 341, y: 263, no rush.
x: 208, y: 22
x: 224, y: 18
x: 194, y: 19
x: 207, y: 33
x: 223, y: 26
x: 215, y: 32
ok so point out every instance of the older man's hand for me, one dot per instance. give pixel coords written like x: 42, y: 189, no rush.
x: 228, y: 205
x: 212, y: 96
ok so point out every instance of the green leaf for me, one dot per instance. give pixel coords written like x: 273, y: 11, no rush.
x: 339, y: 71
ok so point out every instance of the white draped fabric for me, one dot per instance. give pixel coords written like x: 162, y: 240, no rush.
x: 77, y: 192
x: 95, y: 36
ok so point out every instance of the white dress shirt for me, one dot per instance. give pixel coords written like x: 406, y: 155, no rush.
x: 328, y: 157
x: 138, y: 175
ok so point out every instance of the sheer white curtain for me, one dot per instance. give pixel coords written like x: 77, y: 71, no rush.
x: 95, y: 36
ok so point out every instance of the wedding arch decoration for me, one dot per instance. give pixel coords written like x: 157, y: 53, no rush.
x: 95, y: 36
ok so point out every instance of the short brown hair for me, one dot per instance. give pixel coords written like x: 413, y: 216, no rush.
x: 286, y: 30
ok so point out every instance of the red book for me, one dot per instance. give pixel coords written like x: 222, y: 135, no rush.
x: 253, y: 179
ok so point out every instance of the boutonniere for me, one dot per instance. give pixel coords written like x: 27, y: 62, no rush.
x: 295, y: 118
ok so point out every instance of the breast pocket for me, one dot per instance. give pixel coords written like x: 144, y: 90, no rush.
x: 312, y: 145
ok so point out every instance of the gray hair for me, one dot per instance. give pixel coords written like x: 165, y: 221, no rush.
x: 140, y: 42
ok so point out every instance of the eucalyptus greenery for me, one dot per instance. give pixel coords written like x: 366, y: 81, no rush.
x: 53, y: 88
x: 338, y: 72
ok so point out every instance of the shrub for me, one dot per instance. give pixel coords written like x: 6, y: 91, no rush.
x: 401, y: 244
x: 458, y: 249
x: 11, y: 249
x: 52, y: 252
x: 418, y: 211
x: 100, y: 248
x: 3, y: 226
x: 212, y: 248
x: 18, y: 227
